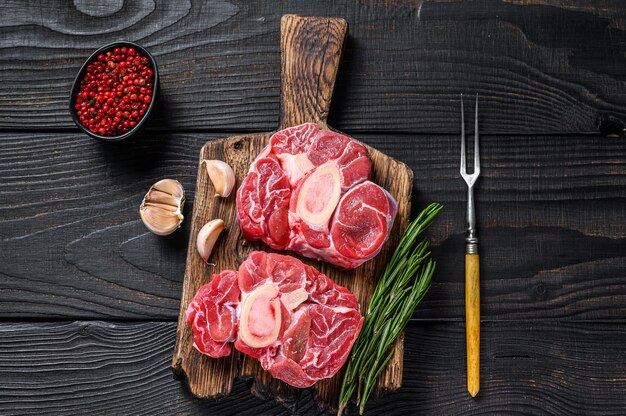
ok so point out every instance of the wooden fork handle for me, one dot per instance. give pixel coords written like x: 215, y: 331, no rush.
x: 472, y: 322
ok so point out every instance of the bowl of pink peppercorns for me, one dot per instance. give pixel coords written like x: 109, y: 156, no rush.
x: 115, y: 91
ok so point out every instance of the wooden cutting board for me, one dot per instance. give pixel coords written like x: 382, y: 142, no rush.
x: 310, y: 53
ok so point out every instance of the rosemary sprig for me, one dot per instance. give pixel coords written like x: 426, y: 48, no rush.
x: 400, y: 289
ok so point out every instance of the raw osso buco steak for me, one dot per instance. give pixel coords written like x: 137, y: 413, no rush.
x: 296, y: 321
x: 308, y: 192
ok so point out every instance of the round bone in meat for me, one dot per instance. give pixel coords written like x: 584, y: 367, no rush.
x: 296, y: 197
x: 296, y: 321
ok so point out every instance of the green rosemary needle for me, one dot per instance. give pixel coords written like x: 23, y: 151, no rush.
x: 400, y: 288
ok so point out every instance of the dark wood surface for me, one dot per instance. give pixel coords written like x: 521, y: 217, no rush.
x: 547, y: 66
x: 529, y: 368
x: 89, y: 298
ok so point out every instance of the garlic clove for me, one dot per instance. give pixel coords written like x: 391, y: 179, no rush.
x: 160, y: 220
x: 161, y: 197
x: 222, y: 176
x: 170, y: 186
x: 207, y: 236
x: 161, y: 209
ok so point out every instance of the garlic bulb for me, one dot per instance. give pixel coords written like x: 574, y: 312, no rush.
x: 207, y: 236
x: 222, y: 176
x: 161, y: 209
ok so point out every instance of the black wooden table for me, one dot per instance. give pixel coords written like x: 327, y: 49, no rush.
x: 89, y: 298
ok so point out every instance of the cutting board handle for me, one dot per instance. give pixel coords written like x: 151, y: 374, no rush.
x: 310, y: 51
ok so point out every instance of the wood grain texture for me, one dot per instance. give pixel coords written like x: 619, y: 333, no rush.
x: 530, y: 368
x: 310, y: 53
x: 472, y: 322
x: 551, y: 212
x: 539, y: 66
x: 551, y: 203
x: 207, y: 377
x: 105, y: 368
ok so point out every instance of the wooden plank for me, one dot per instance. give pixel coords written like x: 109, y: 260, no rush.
x: 527, y: 368
x: 310, y: 53
x: 530, y: 368
x: 96, y: 367
x: 539, y: 66
x: 551, y: 215
x: 209, y: 377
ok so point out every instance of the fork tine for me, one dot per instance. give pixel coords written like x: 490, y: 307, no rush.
x: 476, y: 154
x: 463, y: 156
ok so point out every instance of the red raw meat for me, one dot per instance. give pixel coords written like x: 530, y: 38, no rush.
x: 308, y: 191
x: 212, y: 314
x: 297, y: 322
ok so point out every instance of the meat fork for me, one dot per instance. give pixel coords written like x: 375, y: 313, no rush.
x: 472, y: 268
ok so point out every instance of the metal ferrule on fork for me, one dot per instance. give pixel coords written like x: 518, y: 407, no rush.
x: 471, y: 242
